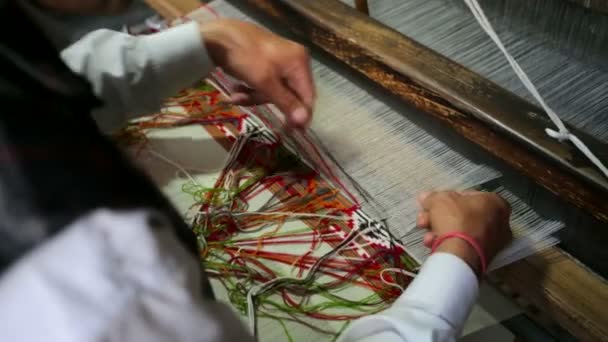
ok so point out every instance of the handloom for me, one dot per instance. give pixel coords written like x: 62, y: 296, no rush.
x: 286, y: 247
x: 285, y: 243
x: 402, y: 167
x: 451, y: 93
x: 458, y: 97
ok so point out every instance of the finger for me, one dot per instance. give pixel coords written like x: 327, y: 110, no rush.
x: 422, y: 199
x: 301, y: 82
x: 300, y: 118
x: 426, y: 200
x: 242, y: 99
x: 296, y: 113
x: 428, y: 239
x: 423, y: 220
x: 240, y: 88
x: 249, y: 98
x: 242, y: 95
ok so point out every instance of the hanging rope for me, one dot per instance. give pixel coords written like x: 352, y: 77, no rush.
x: 562, y: 133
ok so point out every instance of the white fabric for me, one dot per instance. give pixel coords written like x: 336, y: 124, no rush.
x: 111, y: 277
x: 433, y: 308
x: 133, y: 74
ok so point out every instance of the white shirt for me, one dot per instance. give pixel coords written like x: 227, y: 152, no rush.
x: 89, y: 283
x: 133, y: 75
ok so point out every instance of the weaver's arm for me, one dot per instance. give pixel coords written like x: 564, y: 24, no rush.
x: 433, y: 308
x: 123, y: 276
x: 132, y: 75
x: 466, y: 230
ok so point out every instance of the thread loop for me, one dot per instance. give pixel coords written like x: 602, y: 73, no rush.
x: 561, y: 136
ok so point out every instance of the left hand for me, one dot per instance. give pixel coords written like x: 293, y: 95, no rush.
x: 483, y: 216
x: 275, y: 69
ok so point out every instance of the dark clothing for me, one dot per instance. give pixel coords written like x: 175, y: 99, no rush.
x: 55, y: 166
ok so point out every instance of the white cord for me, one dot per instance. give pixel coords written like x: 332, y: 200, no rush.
x: 395, y: 270
x: 562, y: 133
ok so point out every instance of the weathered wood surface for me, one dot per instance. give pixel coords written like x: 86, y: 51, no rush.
x: 362, y: 6
x: 503, y: 124
x: 173, y: 9
x: 556, y: 285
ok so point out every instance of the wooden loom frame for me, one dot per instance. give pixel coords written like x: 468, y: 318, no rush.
x: 600, y: 6
x: 503, y: 124
x: 476, y: 108
x: 596, y: 5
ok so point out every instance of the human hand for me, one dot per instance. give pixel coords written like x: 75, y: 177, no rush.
x: 275, y: 69
x: 483, y: 216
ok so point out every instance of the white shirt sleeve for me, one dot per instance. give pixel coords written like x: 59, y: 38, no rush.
x: 112, y: 276
x: 133, y: 74
x: 115, y: 276
x: 433, y: 308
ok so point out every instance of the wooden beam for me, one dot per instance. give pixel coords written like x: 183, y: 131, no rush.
x: 173, y: 9
x: 361, y: 6
x: 503, y: 124
x: 556, y: 285
x: 595, y: 5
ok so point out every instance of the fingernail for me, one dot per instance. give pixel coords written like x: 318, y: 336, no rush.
x: 420, y: 220
x: 420, y: 198
x: 300, y: 116
x: 428, y: 239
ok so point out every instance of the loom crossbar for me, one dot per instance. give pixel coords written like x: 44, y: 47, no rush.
x: 503, y: 124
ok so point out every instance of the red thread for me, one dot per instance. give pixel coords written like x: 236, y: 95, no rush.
x: 466, y: 237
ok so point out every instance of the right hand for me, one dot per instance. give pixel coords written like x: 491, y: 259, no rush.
x: 274, y: 69
x: 482, y: 215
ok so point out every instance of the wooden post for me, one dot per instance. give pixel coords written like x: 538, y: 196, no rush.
x: 362, y: 6
x: 173, y: 9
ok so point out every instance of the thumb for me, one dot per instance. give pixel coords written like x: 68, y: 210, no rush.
x: 425, y: 200
x: 297, y: 114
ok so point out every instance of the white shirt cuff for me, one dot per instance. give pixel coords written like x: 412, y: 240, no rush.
x: 445, y: 287
x: 179, y: 54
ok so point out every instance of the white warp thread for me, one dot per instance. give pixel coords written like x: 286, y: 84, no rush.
x: 562, y: 134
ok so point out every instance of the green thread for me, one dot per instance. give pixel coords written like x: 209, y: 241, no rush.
x: 238, y: 274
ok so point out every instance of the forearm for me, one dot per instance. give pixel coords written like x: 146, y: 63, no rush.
x: 433, y: 308
x: 132, y: 75
x: 466, y: 230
